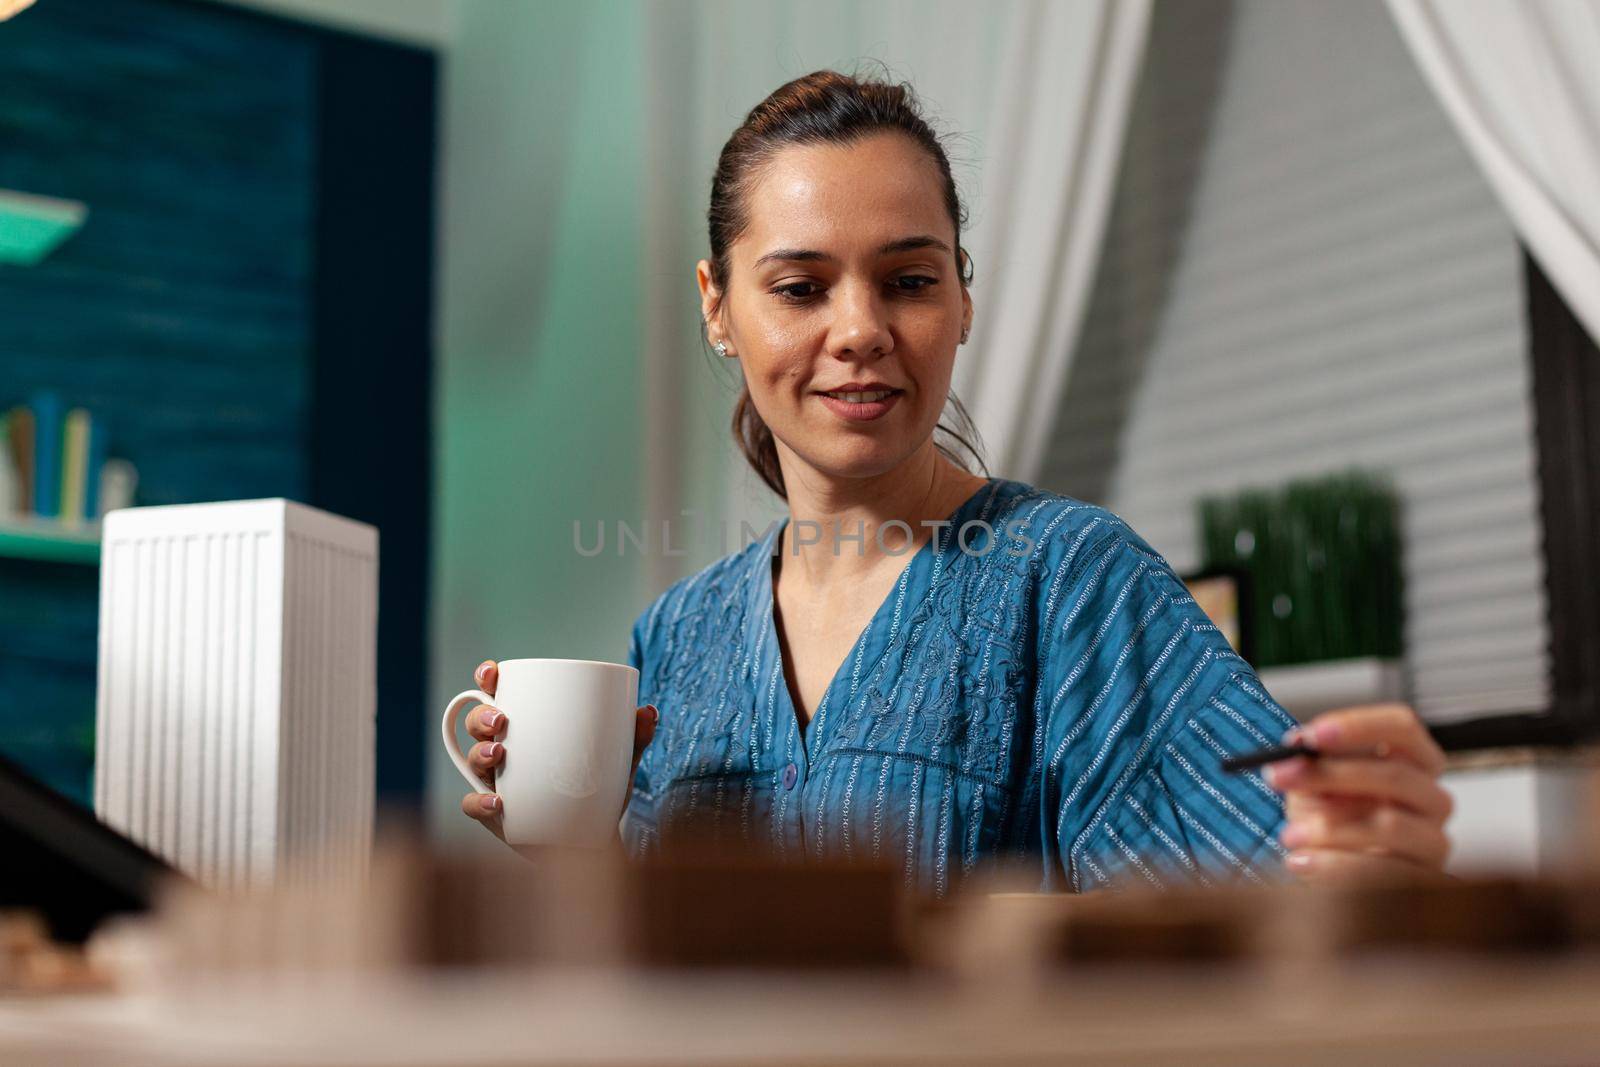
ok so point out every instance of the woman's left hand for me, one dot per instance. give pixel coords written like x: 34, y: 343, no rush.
x: 1369, y: 806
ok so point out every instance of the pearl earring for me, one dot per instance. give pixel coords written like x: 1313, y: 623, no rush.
x: 721, y: 348
x: 964, y: 336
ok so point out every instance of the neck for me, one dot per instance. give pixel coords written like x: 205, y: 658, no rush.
x: 925, y: 488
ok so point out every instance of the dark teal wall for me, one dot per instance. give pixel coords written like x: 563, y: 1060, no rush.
x: 213, y: 305
x: 182, y: 311
x: 180, y: 314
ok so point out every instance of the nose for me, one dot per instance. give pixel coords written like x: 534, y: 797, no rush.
x: 861, y: 329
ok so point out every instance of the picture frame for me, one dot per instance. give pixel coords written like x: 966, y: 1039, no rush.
x: 1224, y: 594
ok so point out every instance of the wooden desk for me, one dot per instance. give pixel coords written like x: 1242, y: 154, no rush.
x: 1440, y: 1012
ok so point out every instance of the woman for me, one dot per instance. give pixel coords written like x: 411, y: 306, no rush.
x: 923, y: 665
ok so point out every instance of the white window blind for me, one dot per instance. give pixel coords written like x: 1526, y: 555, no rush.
x: 1304, y: 271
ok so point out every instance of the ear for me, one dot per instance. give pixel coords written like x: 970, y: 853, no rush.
x: 709, y: 293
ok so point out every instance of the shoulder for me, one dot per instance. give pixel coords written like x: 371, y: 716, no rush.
x: 1061, y: 535
x: 1099, y: 588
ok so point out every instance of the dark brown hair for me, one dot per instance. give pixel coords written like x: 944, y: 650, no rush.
x: 823, y: 107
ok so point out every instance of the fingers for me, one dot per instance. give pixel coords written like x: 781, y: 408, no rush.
x: 1369, y: 807
x: 1333, y: 867
x: 1384, y: 830
x: 486, y: 723
x: 644, y: 730
x: 645, y: 721
x: 1299, y: 806
x: 484, y: 757
x: 486, y: 809
x: 487, y: 676
x: 481, y: 806
x: 1376, y: 729
x: 1390, y: 780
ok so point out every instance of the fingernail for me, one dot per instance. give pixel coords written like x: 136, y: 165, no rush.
x: 1298, y: 861
x: 1294, y: 835
x: 1326, y: 733
x: 479, y: 673
x: 1295, y: 735
x: 492, y: 750
x: 494, y: 720
x: 655, y: 714
x: 489, y: 802
x: 1285, y: 772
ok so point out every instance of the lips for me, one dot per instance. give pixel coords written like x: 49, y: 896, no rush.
x: 862, y: 385
x: 861, y: 406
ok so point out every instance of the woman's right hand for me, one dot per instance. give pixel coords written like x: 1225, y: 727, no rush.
x: 487, y: 724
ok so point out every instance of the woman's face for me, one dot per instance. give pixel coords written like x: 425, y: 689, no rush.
x: 845, y: 280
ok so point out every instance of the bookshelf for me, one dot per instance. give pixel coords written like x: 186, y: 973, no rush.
x: 32, y: 226
x: 23, y: 537
x: 221, y: 362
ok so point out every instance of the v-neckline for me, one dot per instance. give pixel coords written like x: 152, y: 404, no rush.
x: 928, y: 548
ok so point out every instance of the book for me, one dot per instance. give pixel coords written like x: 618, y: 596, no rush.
x: 74, y: 465
x: 119, y: 480
x: 10, y: 484
x: 95, y: 469
x: 20, y: 434
x: 47, y: 439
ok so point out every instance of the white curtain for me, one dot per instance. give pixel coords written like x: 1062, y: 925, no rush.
x: 1061, y: 108
x: 1520, y: 79
x: 1036, y: 93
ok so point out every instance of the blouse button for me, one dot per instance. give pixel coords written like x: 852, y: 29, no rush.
x: 790, y: 773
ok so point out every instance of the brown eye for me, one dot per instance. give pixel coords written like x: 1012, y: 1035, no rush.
x: 924, y: 282
x: 792, y: 293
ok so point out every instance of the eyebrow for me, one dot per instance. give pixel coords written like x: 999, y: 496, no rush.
x: 808, y: 255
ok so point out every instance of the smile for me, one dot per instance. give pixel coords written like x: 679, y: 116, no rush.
x: 861, y: 407
x: 862, y: 398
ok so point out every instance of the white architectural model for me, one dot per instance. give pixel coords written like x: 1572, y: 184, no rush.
x: 237, y: 689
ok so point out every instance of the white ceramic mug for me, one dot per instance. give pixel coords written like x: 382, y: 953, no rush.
x: 569, y: 746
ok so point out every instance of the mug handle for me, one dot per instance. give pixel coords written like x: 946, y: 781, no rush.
x: 451, y: 712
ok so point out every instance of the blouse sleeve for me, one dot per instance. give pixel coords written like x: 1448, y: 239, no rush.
x: 1140, y: 697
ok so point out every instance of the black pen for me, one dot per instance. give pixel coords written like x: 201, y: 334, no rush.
x: 1260, y: 757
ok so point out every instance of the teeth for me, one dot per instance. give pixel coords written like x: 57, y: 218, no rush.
x: 862, y: 398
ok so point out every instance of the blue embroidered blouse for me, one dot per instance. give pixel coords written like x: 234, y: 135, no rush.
x: 1038, y: 687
